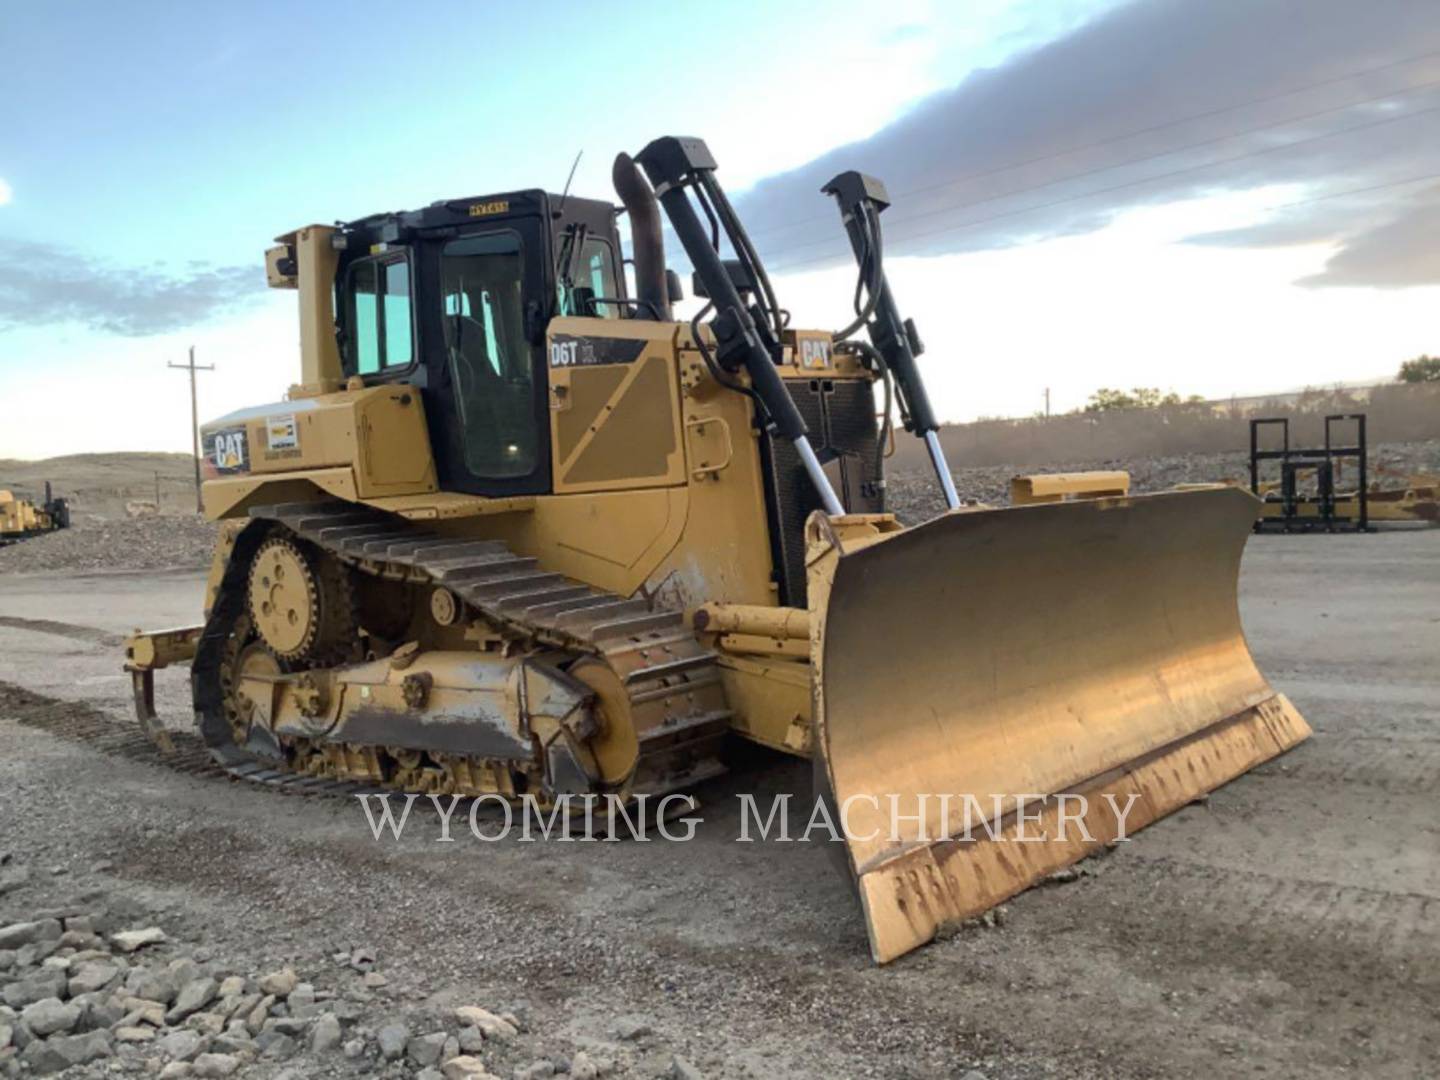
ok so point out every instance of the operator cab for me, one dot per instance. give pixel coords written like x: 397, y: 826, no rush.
x: 454, y: 300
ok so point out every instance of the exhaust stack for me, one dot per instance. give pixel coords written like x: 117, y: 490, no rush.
x: 645, y: 235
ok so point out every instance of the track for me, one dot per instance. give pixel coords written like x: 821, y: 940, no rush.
x: 671, y: 688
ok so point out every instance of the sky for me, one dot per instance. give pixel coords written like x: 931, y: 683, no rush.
x: 1227, y: 197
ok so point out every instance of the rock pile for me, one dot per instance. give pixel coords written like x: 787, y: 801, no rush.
x: 83, y: 992
x: 149, y: 543
x: 914, y: 495
x: 77, y: 990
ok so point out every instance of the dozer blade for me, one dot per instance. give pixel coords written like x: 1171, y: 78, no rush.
x: 1011, y: 656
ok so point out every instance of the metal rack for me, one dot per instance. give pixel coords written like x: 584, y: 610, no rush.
x: 1286, y: 509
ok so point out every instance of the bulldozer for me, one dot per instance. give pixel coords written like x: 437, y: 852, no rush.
x: 520, y: 531
x: 22, y: 518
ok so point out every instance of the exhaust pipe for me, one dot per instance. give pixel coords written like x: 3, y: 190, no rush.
x: 645, y: 236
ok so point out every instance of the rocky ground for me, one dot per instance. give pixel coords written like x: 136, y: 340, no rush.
x: 114, y: 542
x: 88, y: 987
x: 147, y: 543
x: 913, y: 493
x: 1288, y: 925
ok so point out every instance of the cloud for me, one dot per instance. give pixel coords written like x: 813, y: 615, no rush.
x: 6, y: 191
x: 1153, y: 102
x: 1395, y: 255
x: 41, y: 284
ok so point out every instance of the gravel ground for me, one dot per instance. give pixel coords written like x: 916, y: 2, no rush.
x: 184, y: 540
x: 148, y: 543
x: 1289, y: 926
x: 914, y: 496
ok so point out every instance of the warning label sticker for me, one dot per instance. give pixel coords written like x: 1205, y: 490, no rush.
x: 281, y: 432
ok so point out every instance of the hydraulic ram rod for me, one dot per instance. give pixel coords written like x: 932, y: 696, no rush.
x: 861, y: 199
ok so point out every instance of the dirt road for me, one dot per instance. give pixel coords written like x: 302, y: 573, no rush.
x: 1288, y: 927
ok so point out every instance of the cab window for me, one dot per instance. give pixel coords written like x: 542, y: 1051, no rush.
x: 491, y: 362
x: 381, y: 334
x: 594, y: 270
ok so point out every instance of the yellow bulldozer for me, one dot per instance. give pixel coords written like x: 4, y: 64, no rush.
x: 519, y: 532
x: 21, y: 518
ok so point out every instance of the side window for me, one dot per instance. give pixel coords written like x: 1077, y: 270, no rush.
x: 381, y: 334
x: 595, y: 270
x: 398, y: 350
x: 365, y: 319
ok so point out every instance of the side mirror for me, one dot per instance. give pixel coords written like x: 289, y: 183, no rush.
x: 674, y: 287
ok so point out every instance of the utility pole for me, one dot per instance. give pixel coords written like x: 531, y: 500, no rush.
x: 194, y: 419
x: 1047, y: 403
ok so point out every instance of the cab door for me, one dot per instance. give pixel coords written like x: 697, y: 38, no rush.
x: 487, y: 389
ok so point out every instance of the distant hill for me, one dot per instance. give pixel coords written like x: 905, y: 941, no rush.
x: 101, y: 484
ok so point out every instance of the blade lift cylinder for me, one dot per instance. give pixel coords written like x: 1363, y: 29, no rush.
x: 861, y: 198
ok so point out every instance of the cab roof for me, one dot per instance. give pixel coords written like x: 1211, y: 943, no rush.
x: 393, y: 226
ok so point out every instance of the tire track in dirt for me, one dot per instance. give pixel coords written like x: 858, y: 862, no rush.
x: 1380, y: 761
x: 1274, y: 914
x: 89, y: 634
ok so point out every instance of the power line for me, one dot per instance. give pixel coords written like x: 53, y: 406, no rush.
x: 960, y: 227
x: 1164, y: 125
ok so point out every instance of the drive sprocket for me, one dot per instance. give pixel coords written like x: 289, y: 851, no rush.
x: 301, y: 603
